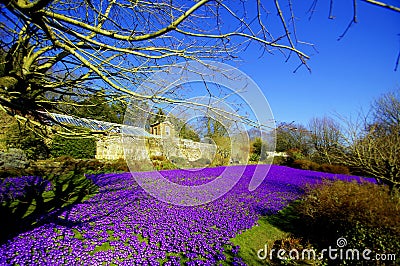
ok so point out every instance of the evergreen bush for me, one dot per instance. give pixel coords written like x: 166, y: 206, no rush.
x: 78, y: 148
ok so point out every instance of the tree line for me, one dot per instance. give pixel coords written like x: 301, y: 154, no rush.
x: 368, y: 144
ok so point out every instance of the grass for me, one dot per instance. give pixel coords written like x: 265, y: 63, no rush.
x: 255, y: 239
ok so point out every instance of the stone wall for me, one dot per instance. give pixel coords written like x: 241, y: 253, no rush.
x: 138, y: 148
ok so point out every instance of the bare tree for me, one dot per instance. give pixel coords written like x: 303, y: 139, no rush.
x: 71, y: 49
x: 325, y: 137
x: 374, y: 152
x: 386, y: 109
x: 75, y: 48
x: 293, y: 136
x: 369, y: 144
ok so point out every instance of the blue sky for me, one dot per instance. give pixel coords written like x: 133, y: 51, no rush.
x: 347, y: 75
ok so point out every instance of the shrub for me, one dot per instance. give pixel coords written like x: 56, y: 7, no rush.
x: 64, y: 164
x: 178, y: 160
x: 202, y: 162
x: 329, y: 168
x: 20, y: 136
x: 295, y: 154
x: 254, y: 157
x: 78, y: 148
x: 280, y: 160
x: 13, y: 163
x: 163, y: 165
x: 139, y: 166
x: 335, y: 169
x: 13, y: 158
x: 306, y: 165
x: 366, y: 214
x: 115, y: 166
x: 289, y: 245
x: 91, y: 166
x: 157, y: 158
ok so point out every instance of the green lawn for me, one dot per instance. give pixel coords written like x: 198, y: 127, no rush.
x: 255, y: 239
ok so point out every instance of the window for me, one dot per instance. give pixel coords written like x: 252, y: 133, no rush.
x: 167, y: 130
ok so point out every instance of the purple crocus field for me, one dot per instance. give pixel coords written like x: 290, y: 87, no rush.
x: 124, y: 225
x: 16, y: 187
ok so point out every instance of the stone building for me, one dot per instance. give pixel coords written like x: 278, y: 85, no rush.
x: 163, y: 129
x: 136, y: 144
x: 133, y: 143
x: 116, y: 146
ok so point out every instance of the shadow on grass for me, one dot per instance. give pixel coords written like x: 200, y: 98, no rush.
x: 283, y: 230
x: 43, y: 201
x: 289, y: 220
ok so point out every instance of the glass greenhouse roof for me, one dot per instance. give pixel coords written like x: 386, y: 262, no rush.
x: 99, y: 125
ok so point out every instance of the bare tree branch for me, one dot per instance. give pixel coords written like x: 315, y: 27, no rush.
x: 73, y: 49
x: 384, y: 5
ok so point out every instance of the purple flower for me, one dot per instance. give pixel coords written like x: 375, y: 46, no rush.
x: 124, y: 225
